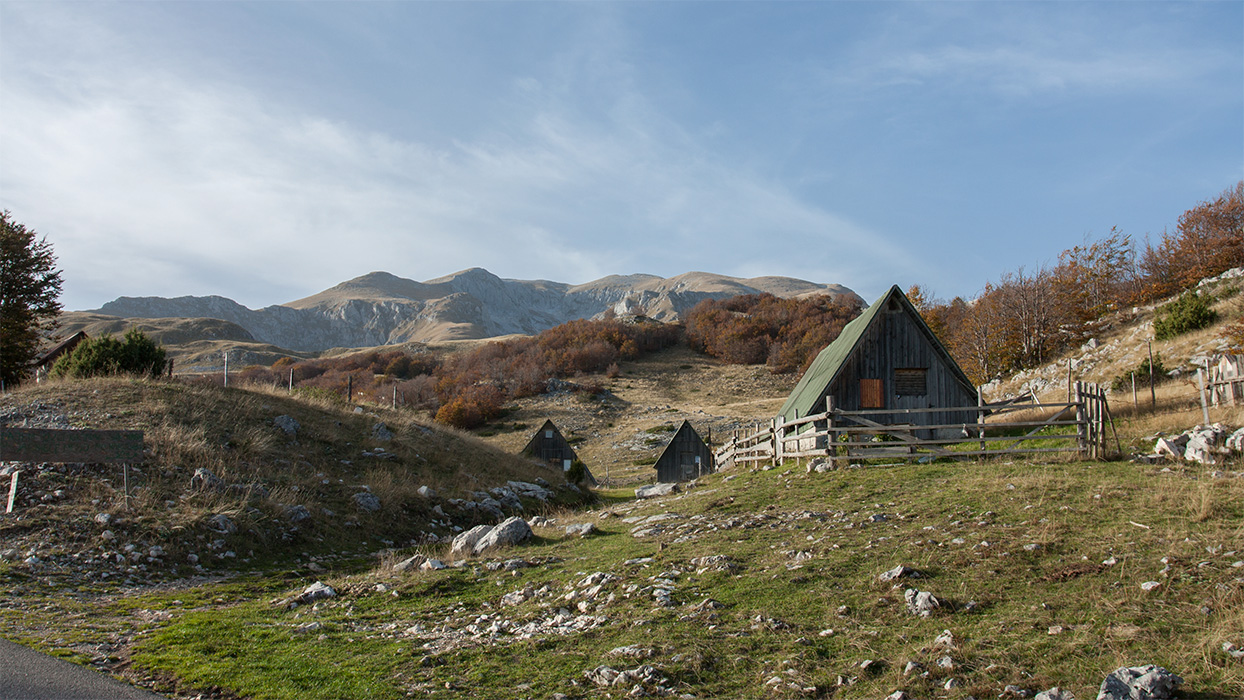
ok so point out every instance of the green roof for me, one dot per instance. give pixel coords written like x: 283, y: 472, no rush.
x: 825, y: 368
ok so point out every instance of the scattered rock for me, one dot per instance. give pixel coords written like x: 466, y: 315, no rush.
x: 921, y: 603
x: 1139, y: 683
x: 580, y: 530
x: 631, y: 651
x: 410, y: 563
x: 656, y: 490
x: 898, y: 572
x: 297, y: 514
x: 530, y: 490
x: 718, y: 562
x: 1148, y: 586
x: 518, y: 597
x: 205, y: 480
x: 287, y: 424
x: 1055, y: 693
x: 366, y: 501
x: 426, y: 492
x: 605, y: 676
x: 945, y: 641
x: 222, y: 524
x: 510, y: 532
x: 465, y: 542
x: 316, y: 591
x: 381, y: 433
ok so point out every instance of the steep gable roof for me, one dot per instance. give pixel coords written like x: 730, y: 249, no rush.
x: 682, y: 429
x: 829, y: 363
x: 538, y: 437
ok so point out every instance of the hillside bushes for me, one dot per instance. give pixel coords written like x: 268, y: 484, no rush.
x: 469, y: 389
x: 785, y: 334
x: 134, y: 354
x: 1189, y: 312
x: 522, y: 367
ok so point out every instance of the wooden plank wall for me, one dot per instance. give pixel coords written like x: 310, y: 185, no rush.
x: 897, y: 342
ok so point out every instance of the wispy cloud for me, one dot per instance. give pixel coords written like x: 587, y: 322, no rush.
x: 1031, y: 49
x: 153, y: 182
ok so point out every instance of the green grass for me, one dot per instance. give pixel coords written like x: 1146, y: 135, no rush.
x: 1080, y: 514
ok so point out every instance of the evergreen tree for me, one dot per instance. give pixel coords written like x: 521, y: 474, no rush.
x: 30, y: 285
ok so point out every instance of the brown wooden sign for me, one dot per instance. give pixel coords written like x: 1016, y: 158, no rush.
x: 46, y: 445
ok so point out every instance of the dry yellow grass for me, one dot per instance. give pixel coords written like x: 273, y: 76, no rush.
x: 659, y: 390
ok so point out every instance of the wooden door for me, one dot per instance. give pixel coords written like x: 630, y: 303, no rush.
x: 872, y: 393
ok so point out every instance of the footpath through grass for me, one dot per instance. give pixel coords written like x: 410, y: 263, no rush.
x: 1039, y: 568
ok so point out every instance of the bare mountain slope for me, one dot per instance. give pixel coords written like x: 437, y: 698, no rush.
x: 380, y: 308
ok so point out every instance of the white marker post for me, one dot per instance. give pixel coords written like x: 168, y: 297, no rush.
x: 12, y: 492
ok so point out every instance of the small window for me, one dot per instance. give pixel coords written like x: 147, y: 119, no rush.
x: 911, y: 382
x: 872, y: 393
x: 565, y: 465
x: 548, y: 435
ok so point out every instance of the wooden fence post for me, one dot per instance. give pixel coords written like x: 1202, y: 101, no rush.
x: 831, y: 447
x: 779, y: 432
x: 1153, y: 395
x: 1200, y: 378
x: 1081, y: 421
x: 980, y: 420
x: 1096, y: 445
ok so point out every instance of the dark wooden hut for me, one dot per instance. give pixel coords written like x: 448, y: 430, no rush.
x: 548, y: 446
x: 686, y: 457
x: 887, y: 358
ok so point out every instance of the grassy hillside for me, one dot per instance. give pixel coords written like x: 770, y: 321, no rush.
x: 265, y: 474
x: 754, y: 584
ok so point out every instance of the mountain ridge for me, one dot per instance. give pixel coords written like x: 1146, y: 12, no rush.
x: 380, y: 308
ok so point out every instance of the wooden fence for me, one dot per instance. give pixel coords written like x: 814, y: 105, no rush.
x: 1079, y: 426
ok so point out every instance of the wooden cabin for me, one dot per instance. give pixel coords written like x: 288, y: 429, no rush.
x: 686, y: 457
x: 549, y: 447
x: 887, y: 358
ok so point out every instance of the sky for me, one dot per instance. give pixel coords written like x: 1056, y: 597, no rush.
x: 265, y: 151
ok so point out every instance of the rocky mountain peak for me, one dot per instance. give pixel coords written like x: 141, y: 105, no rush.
x: 380, y: 308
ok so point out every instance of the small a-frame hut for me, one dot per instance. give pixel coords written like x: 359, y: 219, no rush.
x: 887, y: 358
x: 686, y: 457
x: 548, y: 446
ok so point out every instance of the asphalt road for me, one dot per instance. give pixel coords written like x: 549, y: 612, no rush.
x: 26, y: 674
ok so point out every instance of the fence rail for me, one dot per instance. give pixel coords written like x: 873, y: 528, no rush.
x: 1077, y: 427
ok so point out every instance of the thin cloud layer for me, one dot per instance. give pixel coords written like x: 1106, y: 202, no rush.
x: 156, y: 168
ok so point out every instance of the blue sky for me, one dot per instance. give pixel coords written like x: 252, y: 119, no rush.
x: 265, y: 151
